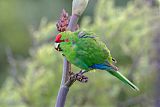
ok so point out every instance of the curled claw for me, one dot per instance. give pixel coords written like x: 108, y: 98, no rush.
x: 80, y: 77
x: 84, y: 79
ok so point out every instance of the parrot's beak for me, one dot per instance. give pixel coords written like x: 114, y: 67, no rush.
x: 57, y: 46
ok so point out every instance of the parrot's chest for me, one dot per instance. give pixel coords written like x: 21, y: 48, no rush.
x: 72, y: 54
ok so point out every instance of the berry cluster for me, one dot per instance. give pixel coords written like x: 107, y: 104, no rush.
x: 63, y: 22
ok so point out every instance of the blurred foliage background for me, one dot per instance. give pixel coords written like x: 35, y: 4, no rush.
x: 30, y: 68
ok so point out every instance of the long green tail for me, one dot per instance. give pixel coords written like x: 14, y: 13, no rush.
x: 123, y: 79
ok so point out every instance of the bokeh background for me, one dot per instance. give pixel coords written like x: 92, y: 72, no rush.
x: 30, y: 68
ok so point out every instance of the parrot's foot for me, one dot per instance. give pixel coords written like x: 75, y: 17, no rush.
x: 78, y: 76
x: 81, y: 78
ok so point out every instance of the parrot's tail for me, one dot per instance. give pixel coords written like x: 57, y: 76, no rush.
x: 123, y: 79
x: 112, y: 69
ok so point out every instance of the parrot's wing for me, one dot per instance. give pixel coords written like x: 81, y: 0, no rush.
x: 89, y: 39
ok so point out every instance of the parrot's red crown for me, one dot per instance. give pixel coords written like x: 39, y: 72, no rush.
x: 58, y: 39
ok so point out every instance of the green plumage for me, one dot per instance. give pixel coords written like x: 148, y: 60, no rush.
x: 83, y: 52
x: 88, y: 52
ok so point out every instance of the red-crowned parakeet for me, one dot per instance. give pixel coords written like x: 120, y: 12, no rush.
x: 86, y: 51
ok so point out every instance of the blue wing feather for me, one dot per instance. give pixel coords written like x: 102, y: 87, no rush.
x: 101, y: 67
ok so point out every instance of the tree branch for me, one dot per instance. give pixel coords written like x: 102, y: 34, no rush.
x: 78, y: 7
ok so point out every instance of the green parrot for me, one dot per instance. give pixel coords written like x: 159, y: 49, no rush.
x: 86, y: 51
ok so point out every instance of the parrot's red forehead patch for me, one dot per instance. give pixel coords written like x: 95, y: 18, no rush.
x: 58, y: 38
